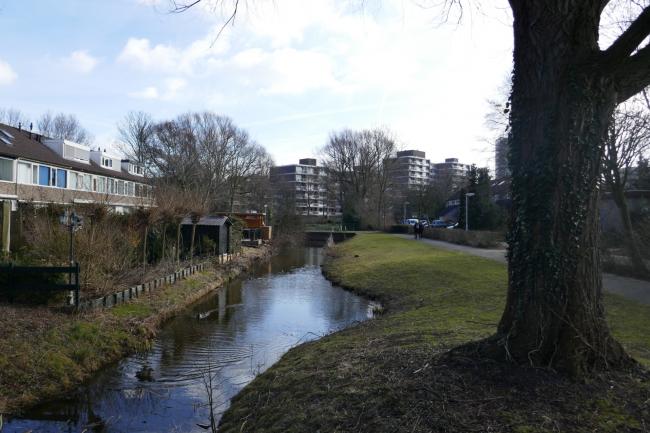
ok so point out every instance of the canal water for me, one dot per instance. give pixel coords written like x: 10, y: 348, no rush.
x: 227, y: 339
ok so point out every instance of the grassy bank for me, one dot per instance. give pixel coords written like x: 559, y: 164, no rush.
x: 388, y: 375
x: 45, y: 353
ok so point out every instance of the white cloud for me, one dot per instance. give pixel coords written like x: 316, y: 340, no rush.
x: 249, y: 58
x: 140, y: 53
x: 150, y: 92
x: 188, y: 60
x: 296, y: 71
x: 326, y: 56
x: 7, y: 75
x: 81, y: 61
x: 172, y: 88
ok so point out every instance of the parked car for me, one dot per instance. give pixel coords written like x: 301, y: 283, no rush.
x: 440, y: 224
x: 453, y: 226
x: 425, y: 223
x: 410, y: 221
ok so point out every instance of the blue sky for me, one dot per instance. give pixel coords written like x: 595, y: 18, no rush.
x: 289, y: 71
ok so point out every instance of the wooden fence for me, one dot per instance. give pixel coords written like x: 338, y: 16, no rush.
x: 16, y: 276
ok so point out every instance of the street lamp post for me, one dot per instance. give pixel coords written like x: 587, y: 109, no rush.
x: 467, y: 196
x: 73, y: 222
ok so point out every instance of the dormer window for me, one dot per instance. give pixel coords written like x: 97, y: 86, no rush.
x: 134, y: 169
x: 107, y: 162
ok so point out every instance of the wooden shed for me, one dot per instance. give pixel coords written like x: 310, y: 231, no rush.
x: 212, y: 236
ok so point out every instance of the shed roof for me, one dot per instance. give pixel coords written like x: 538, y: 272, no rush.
x: 208, y: 221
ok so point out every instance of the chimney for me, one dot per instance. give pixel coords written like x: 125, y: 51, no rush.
x: 31, y: 126
x: 20, y: 126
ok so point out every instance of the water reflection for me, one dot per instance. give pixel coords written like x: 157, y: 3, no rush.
x: 230, y: 337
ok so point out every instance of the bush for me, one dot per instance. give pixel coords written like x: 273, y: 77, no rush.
x: 473, y: 238
x: 208, y: 246
x: 401, y: 228
x: 107, y: 247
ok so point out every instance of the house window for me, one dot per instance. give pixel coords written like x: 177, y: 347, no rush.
x: 61, y: 176
x: 7, y: 169
x: 111, y: 186
x: 72, y: 184
x: 101, y: 184
x: 24, y: 173
x: 44, y: 175
x: 87, y: 182
x: 120, y: 187
x: 80, y: 181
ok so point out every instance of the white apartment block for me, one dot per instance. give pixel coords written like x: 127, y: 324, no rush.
x: 307, y: 184
x: 410, y: 169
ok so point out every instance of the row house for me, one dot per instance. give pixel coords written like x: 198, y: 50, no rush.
x: 40, y: 170
x: 37, y: 169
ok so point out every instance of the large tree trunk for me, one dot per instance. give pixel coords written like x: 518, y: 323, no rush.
x: 560, y: 111
x: 630, y: 237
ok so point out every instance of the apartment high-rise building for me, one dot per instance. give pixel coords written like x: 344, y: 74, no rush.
x: 410, y: 169
x: 501, y: 168
x: 451, y: 172
x: 307, y: 184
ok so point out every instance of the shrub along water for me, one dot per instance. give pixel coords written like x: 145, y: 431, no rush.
x: 113, y: 250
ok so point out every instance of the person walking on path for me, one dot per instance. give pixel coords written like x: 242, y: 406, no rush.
x: 416, y: 229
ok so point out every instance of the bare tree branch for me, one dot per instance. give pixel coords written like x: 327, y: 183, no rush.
x: 633, y: 74
x: 631, y: 38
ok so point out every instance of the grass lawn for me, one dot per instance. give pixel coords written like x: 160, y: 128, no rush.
x: 388, y: 375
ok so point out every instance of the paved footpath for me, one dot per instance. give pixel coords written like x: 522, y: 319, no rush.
x: 631, y: 288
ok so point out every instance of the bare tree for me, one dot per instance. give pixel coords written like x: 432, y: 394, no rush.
x: 359, y: 163
x: 207, y: 154
x: 246, y: 158
x: 14, y: 117
x: 144, y: 218
x: 136, y: 132
x: 63, y: 126
x: 628, y: 138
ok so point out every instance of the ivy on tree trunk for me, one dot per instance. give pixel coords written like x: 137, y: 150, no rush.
x: 564, y: 92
